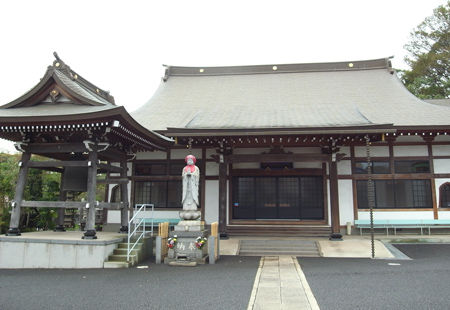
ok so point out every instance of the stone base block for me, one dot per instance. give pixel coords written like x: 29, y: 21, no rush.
x: 186, y: 250
x: 189, y: 225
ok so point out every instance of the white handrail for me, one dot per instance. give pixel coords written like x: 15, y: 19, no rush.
x: 137, y: 226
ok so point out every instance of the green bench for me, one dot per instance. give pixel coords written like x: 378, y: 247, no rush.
x: 156, y: 221
x: 394, y: 224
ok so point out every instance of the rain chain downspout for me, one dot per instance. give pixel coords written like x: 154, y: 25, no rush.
x: 370, y: 193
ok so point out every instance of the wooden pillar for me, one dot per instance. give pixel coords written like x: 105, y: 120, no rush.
x: 18, y: 197
x: 124, y: 199
x: 61, y: 211
x: 222, y: 197
x: 334, y: 200
x: 91, y: 193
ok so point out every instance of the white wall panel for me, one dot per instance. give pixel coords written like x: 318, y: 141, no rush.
x: 394, y: 215
x: 212, y: 168
x: 444, y: 215
x: 345, y: 201
x: 211, y: 201
x: 344, y: 167
x: 315, y: 165
x: 441, y: 150
x: 151, y: 155
x: 411, y: 150
x: 375, y: 151
x: 441, y: 165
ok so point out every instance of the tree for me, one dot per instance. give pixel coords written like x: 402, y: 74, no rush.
x: 429, y: 56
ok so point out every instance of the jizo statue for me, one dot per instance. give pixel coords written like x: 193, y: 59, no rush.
x: 191, y: 178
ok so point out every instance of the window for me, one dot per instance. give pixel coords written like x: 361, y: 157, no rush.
x: 378, y: 167
x: 400, y: 194
x: 163, y: 194
x: 412, y: 166
x: 444, y: 195
x: 161, y: 188
x: 115, y: 194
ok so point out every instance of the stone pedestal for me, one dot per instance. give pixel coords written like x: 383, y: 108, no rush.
x: 185, y: 253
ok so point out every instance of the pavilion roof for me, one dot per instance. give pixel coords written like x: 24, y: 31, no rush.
x: 359, y: 94
x: 63, y: 102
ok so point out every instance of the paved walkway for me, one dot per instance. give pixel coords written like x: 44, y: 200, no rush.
x: 281, y: 284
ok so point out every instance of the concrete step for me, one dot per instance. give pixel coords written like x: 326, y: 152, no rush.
x: 122, y: 258
x: 278, y: 252
x: 303, y: 248
x: 124, y: 245
x: 123, y: 251
x: 269, y: 253
x: 109, y: 264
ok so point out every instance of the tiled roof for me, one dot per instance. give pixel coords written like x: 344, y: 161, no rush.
x: 361, y: 93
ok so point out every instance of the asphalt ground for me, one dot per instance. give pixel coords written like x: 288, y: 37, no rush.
x: 420, y: 283
x: 225, y: 285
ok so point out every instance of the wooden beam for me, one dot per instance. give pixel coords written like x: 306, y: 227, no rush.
x: 222, y: 197
x: 17, y: 203
x: 124, y: 198
x: 273, y: 158
x: 334, y: 198
x: 112, y: 205
x: 58, y: 163
x: 54, y: 204
x: 91, y: 193
x: 113, y: 180
x: 109, y: 168
x: 45, y: 148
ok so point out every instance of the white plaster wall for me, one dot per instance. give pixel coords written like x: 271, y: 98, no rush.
x: 113, y: 217
x: 182, y: 153
x: 212, y: 168
x: 438, y: 183
x: 411, y: 150
x: 413, y: 138
x: 344, y: 167
x: 400, y: 215
x: 151, y: 155
x: 441, y: 150
x: 345, y: 201
x: 375, y: 151
x: 211, y: 201
x: 345, y: 150
x: 316, y: 165
x: 441, y: 165
x: 50, y: 255
x: 210, y: 152
x: 444, y: 215
x: 163, y: 214
x: 442, y: 138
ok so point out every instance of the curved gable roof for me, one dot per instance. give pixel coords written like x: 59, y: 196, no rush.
x: 342, y: 94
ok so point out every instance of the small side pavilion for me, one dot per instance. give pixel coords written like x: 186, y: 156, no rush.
x: 83, y: 132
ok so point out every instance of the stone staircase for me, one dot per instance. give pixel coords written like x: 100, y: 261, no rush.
x: 119, y: 257
x: 294, y: 247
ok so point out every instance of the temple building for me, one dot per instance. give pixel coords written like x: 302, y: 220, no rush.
x: 282, y: 148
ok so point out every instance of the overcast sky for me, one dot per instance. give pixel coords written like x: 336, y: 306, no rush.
x: 121, y: 46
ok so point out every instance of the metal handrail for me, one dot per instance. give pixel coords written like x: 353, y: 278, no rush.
x: 137, y: 226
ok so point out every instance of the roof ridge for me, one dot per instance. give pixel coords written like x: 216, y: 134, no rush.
x: 61, y: 66
x: 381, y: 63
